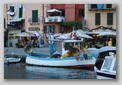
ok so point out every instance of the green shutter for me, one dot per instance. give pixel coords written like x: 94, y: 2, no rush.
x: 97, y: 19
x: 34, y: 15
x: 53, y: 29
x: 4, y: 23
x: 45, y: 29
x: 108, y: 5
x: 20, y: 12
x: 109, y: 18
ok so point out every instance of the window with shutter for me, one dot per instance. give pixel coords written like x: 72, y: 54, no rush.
x: 108, y: 5
x: 34, y: 15
x: 53, y: 27
x: 81, y: 12
x: 12, y: 8
x: 97, y: 19
x: 109, y: 18
x: 20, y: 12
x: 45, y: 29
x: 4, y: 23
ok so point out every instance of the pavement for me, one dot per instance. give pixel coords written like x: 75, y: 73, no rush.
x: 20, y: 51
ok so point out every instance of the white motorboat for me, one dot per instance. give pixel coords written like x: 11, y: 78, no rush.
x: 11, y: 60
x: 108, y: 69
x: 66, y: 58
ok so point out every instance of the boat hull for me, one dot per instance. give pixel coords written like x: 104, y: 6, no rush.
x: 11, y: 60
x: 106, y: 75
x: 60, y: 62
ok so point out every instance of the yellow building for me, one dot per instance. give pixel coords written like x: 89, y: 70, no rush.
x: 97, y: 15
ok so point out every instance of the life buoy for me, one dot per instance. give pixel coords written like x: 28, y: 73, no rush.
x: 52, y: 48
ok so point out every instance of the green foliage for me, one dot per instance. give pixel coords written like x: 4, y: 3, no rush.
x: 77, y: 24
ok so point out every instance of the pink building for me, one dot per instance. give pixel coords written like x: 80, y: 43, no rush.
x: 66, y: 13
x: 34, y: 19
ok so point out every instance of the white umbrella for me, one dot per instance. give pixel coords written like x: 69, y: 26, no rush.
x: 106, y: 33
x: 25, y: 34
x: 84, y: 36
x: 53, y: 10
x: 80, y: 32
x: 64, y: 36
x: 96, y: 31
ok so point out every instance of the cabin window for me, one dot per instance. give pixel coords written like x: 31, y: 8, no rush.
x: 114, y: 68
x: 69, y: 46
x: 107, y: 64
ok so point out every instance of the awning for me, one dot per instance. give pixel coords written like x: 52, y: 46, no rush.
x: 10, y: 13
x: 15, y: 20
x: 25, y: 34
x: 53, y: 10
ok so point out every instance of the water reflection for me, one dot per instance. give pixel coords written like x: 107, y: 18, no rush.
x: 23, y: 71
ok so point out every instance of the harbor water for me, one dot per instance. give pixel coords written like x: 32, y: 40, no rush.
x: 23, y: 71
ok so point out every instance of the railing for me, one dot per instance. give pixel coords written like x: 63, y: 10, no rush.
x: 104, y: 7
x: 31, y: 21
x: 54, y: 19
x: 10, y: 27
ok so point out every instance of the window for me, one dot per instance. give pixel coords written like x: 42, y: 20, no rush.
x: 93, y: 5
x: 12, y: 8
x: 81, y: 12
x: 69, y: 46
x: 97, y: 19
x: 97, y: 6
x: 108, y: 5
x: 4, y: 23
x: 34, y: 15
x: 109, y: 18
x: 20, y: 12
x: 49, y: 28
x: 63, y: 13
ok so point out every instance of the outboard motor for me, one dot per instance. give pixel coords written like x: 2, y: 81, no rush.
x: 28, y: 48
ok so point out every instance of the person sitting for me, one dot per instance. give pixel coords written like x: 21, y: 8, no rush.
x: 56, y: 55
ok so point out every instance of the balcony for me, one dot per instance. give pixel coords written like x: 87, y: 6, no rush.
x: 54, y: 19
x: 101, y: 7
x: 37, y: 22
x: 15, y: 27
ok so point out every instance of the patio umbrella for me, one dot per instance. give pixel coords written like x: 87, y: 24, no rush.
x: 80, y: 32
x: 84, y: 36
x: 64, y: 36
x: 107, y: 33
x: 96, y: 31
x: 25, y: 34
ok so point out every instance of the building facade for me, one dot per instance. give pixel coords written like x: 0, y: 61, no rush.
x: 65, y: 13
x: 34, y: 20
x: 14, y: 20
x: 97, y: 15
